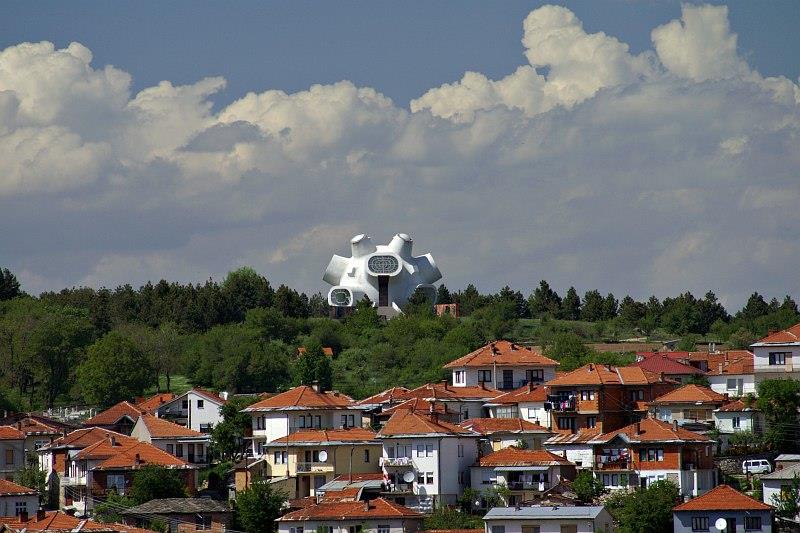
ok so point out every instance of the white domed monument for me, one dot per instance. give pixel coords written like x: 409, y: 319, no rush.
x: 387, y: 274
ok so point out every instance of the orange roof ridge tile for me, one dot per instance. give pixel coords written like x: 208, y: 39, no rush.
x: 502, y: 353
x: 723, y: 498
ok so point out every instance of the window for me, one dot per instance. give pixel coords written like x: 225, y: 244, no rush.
x: 280, y: 457
x: 179, y: 450
x: 301, y: 421
x: 403, y: 450
x: 317, y: 421
x: 390, y: 452
x: 185, y: 404
x: 485, y: 376
x: 611, y: 480
x: 778, y: 358
x: 637, y: 394
x: 699, y: 523
x: 171, y: 449
x: 730, y: 384
x: 201, y: 404
x: 383, y: 264
x: 429, y: 478
x: 591, y: 421
x: 202, y: 521
x: 420, y: 478
x: 429, y: 450
x: 487, y: 476
x: 351, y: 420
x: 366, y: 456
x: 737, y: 422
x: 498, y: 529
x: 353, y: 529
x: 507, y: 411
x: 535, y: 375
x: 565, y: 422
x: 461, y: 450
x: 260, y: 422
x: 651, y: 454
x: 116, y: 482
x: 587, y: 395
x: 459, y: 376
x: 420, y: 450
x: 9, y: 456
x: 383, y: 529
x: 20, y: 507
x: 752, y: 523
x: 40, y: 444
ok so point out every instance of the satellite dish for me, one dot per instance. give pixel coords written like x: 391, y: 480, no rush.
x: 721, y: 524
x: 323, y: 456
x: 408, y: 477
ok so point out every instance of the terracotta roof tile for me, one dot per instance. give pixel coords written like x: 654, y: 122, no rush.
x: 445, y: 391
x: 413, y: 423
x: 160, y: 428
x: 327, y: 350
x: 364, y: 476
x: 733, y: 362
x: 114, y: 414
x: 502, y: 353
x: 418, y: 405
x: 691, y: 393
x: 737, y: 406
x: 154, y: 402
x: 581, y: 437
x: 489, y: 426
x: 303, y: 397
x: 81, y: 438
x: 140, y: 454
x: 31, y: 426
x: 788, y: 335
x: 723, y: 498
x: 516, y: 457
x: 661, y: 363
x: 329, y: 435
x: 60, y: 521
x: 595, y: 374
x: 652, y: 430
x: 387, y: 396
x: 377, y: 508
x: 524, y: 394
x: 10, y: 433
x: 8, y: 488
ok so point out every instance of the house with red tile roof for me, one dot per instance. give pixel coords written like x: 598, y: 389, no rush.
x: 688, y: 404
x: 576, y: 447
x: 152, y: 403
x: 526, y: 402
x: 197, y: 409
x: 735, y: 416
x: 422, y: 406
x: 120, y: 417
x: 775, y: 355
x: 180, y: 441
x: 374, y: 406
x: 375, y: 516
x: 16, y: 499
x: 12, y: 451
x: 502, y: 365
x: 677, y: 371
x: 526, y: 473
x: 59, y: 521
x: 602, y: 397
x: 732, y: 373
x: 498, y: 433
x: 467, y: 400
x: 425, y: 459
x: 723, y: 503
x: 300, y: 408
x: 652, y: 450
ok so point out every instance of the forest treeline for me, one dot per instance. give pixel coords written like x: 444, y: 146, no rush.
x: 88, y: 346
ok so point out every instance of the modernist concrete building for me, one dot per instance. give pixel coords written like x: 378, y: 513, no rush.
x: 387, y: 274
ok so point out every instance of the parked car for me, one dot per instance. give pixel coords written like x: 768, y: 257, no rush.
x: 756, y: 466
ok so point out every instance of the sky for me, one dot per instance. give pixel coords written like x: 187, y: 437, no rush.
x: 636, y: 147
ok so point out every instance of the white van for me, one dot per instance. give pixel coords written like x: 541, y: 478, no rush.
x: 756, y: 466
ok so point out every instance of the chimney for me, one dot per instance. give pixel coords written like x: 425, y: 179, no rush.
x: 591, y: 367
x: 315, y: 385
x: 675, y: 425
x: 727, y: 398
x: 112, y: 440
x: 661, y: 377
x: 444, y: 384
x: 137, y: 460
x: 19, y: 424
x: 513, y: 346
x: 638, y: 428
x: 608, y: 367
x: 40, y: 514
x: 530, y: 386
x: 366, y: 506
x: 23, y: 516
x: 482, y: 384
x: 720, y: 368
x: 564, y: 453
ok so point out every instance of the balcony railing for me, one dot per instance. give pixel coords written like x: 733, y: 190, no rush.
x: 613, y: 464
x: 71, y: 481
x: 527, y: 485
x: 406, y: 488
x: 306, y: 466
x: 560, y: 404
x: 396, y: 461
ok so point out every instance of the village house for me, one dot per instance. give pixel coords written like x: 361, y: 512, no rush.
x: 310, y: 458
x: 576, y: 447
x: 467, y: 401
x: 498, y: 433
x: 12, y: 451
x: 526, y: 473
x: 602, y: 397
x: 688, y: 404
x: 677, y: 371
x: 360, y: 486
x: 180, y: 441
x: 545, y: 519
x: 425, y: 460
x: 502, y: 365
x: 422, y: 406
x: 374, y: 405
x: 734, y: 417
x: 777, y: 483
x: 197, y: 409
x: 16, y: 499
x: 739, y: 512
x: 774, y: 355
x: 182, y: 515
x: 120, y: 418
x: 732, y: 374
x: 59, y: 521
x: 374, y: 516
x: 298, y: 409
x: 37, y: 433
x: 526, y: 402
x: 653, y: 450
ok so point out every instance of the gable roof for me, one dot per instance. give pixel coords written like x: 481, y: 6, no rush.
x: 140, y: 454
x: 502, y: 353
x: 377, y: 508
x: 524, y: 394
x: 384, y: 397
x: 651, y: 430
x: 11, y: 433
x: 445, y: 391
x: 114, y: 414
x: 723, y: 498
x: 544, y: 513
x: 302, y: 397
x: 583, y: 437
x: 731, y: 362
x: 158, y: 428
x: 9, y: 488
x: 179, y: 506
x: 81, y: 438
x: 31, y: 426
x: 790, y: 335
x: 736, y: 406
x: 691, y: 393
x: 595, y: 374
x: 61, y: 521
x: 328, y: 436
x: 154, y: 402
x: 659, y: 363
x: 489, y: 426
x: 416, y: 404
x: 517, y: 457
x: 413, y: 423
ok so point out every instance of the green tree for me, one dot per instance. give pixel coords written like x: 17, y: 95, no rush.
x: 787, y: 501
x: 610, y: 307
x: 115, y: 369
x: 755, y: 308
x: 593, y: 306
x: 779, y: 399
x: 419, y: 304
x: 544, y: 301
x: 710, y: 310
x: 443, y: 295
x: 631, y: 311
x: 32, y: 476
x: 110, y: 509
x: 741, y: 339
x: 697, y: 379
x: 571, y: 305
x: 313, y: 366
x: 257, y: 507
x: 154, y: 482
x: 245, y: 289
x: 291, y: 303
x: 449, y: 518
x: 9, y: 286
x: 681, y: 315
x: 227, y: 437
x: 568, y: 349
x: 469, y: 300
x: 587, y: 487
x: 646, y: 510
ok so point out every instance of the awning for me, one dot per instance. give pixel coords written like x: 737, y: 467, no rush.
x: 522, y: 468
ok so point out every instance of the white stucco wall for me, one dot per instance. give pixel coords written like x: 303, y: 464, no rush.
x: 764, y: 370
x: 746, y: 383
x: 472, y: 374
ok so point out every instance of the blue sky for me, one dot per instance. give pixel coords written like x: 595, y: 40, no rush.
x: 637, y: 147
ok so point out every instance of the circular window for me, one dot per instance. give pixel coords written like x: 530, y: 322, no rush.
x: 383, y: 264
x: 340, y: 297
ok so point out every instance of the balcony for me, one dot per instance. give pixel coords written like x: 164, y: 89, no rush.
x: 607, y: 463
x: 563, y: 405
x: 399, y: 488
x: 312, y: 467
x: 527, y: 485
x: 73, y: 481
x: 396, y: 461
